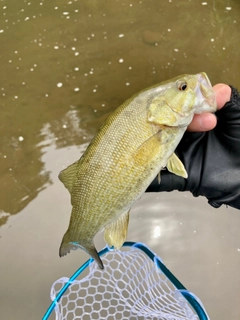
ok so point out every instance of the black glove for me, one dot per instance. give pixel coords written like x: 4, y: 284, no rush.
x: 212, y: 160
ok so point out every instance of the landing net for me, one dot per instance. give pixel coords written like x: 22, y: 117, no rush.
x: 134, y: 284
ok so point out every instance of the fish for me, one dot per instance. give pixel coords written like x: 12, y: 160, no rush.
x: 130, y: 149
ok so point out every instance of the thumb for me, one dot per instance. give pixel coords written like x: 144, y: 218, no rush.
x: 222, y: 93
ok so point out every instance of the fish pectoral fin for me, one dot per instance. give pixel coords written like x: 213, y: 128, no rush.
x: 116, y: 232
x: 148, y: 149
x: 176, y: 166
x: 68, y: 175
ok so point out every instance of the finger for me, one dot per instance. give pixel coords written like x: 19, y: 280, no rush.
x: 223, y: 94
x: 202, y: 122
x: 207, y: 121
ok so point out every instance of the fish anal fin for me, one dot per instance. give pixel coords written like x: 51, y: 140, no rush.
x: 176, y: 166
x: 116, y: 232
x: 68, y: 175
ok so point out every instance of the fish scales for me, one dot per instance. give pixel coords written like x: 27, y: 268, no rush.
x: 98, y: 181
x: 129, y: 150
x: 110, y: 155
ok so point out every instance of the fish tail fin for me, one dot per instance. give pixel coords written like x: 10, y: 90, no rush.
x: 94, y: 254
x: 67, y: 246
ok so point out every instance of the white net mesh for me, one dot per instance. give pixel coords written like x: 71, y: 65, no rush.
x: 131, y: 286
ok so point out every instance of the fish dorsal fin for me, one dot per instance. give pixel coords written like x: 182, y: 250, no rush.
x: 68, y: 175
x: 175, y: 166
x: 116, y: 232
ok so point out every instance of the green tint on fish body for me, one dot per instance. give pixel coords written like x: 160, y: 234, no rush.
x: 129, y: 150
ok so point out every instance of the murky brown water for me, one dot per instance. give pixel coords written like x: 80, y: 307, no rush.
x: 64, y: 66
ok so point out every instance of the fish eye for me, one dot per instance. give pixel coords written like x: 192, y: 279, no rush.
x: 182, y: 86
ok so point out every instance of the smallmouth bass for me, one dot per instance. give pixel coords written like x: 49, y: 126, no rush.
x: 130, y: 149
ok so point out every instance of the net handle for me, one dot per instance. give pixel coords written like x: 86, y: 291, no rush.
x: 189, y: 296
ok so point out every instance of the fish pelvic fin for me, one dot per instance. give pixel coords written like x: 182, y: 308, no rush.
x: 67, y: 246
x: 159, y: 177
x: 175, y: 166
x: 116, y: 232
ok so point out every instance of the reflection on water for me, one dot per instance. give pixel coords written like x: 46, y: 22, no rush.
x: 65, y: 65
x: 84, y: 58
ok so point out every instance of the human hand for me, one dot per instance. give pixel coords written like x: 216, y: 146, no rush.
x: 207, y: 121
x: 211, y: 158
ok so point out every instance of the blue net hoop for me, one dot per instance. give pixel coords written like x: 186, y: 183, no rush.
x: 186, y: 295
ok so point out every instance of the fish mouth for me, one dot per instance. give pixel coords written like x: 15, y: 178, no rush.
x: 210, y: 104
x: 206, y: 94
